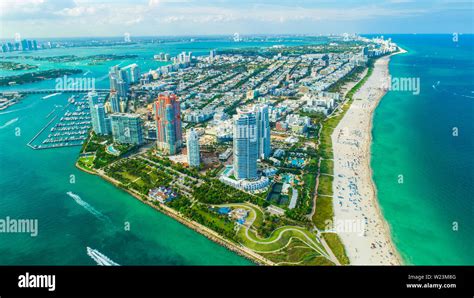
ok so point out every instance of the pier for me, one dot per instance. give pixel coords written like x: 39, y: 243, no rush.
x: 71, y: 130
x: 37, y: 135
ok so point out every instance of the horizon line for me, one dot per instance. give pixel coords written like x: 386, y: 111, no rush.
x: 241, y: 35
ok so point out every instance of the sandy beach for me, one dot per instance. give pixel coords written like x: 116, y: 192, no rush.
x: 364, y: 231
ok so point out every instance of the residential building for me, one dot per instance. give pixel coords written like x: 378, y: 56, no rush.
x: 192, y: 143
x: 263, y: 131
x: 245, y: 144
x: 168, y: 123
x: 127, y: 128
x: 98, y: 118
x: 114, y: 102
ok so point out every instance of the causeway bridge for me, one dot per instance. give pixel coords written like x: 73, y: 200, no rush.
x: 52, y: 91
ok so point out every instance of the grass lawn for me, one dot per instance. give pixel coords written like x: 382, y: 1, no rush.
x: 327, y: 166
x: 324, y: 211
x: 211, y: 217
x: 269, y: 244
x: 129, y: 177
x: 325, y: 185
x: 266, y: 244
x: 297, y: 253
x: 334, y: 242
x: 87, y: 162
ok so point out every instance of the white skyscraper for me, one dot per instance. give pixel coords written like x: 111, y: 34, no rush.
x: 193, y: 148
x: 99, y: 120
x: 245, y: 144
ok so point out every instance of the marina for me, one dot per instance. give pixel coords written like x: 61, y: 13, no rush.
x: 70, y: 130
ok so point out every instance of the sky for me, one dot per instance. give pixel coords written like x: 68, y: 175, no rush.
x: 82, y: 18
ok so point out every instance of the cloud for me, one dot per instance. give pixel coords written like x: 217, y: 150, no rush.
x: 183, y: 16
x: 77, y: 11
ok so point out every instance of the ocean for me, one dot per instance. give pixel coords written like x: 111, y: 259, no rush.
x: 431, y: 213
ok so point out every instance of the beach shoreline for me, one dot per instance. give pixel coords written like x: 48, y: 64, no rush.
x: 355, y: 195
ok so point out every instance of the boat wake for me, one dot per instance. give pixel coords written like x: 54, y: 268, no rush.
x: 51, y: 95
x: 100, y: 258
x: 8, y: 123
x: 88, y: 207
x: 20, y: 109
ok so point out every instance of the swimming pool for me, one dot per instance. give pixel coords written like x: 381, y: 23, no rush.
x: 112, y: 150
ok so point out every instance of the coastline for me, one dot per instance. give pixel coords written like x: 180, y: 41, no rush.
x: 205, y: 231
x: 355, y: 196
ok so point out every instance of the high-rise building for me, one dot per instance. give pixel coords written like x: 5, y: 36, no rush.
x: 119, y: 80
x: 245, y: 144
x: 113, y: 79
x: 127, y: 128
x: 122, y: 88
x: 132, y: 73
x: 114, y: 102
x: 108, y: 124
x: 92, y: 98
x: 263, y: 131
x: 99, y: 121
x: 183, y: 58
x: 212, y: 55
x: 192, y: 142
x: 24, y: 45
x: 168, y: 123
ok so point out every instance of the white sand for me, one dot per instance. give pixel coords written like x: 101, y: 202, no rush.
x: 369, y: 242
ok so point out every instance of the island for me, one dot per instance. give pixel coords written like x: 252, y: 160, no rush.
x: 6, y: 65
x: 37, y: 76
x: 74, y: 58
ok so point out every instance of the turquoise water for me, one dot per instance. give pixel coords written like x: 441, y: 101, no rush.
x: 34, y: 185
x: 413, y: 137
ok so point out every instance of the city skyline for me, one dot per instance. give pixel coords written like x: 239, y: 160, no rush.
x: 80, y: 18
